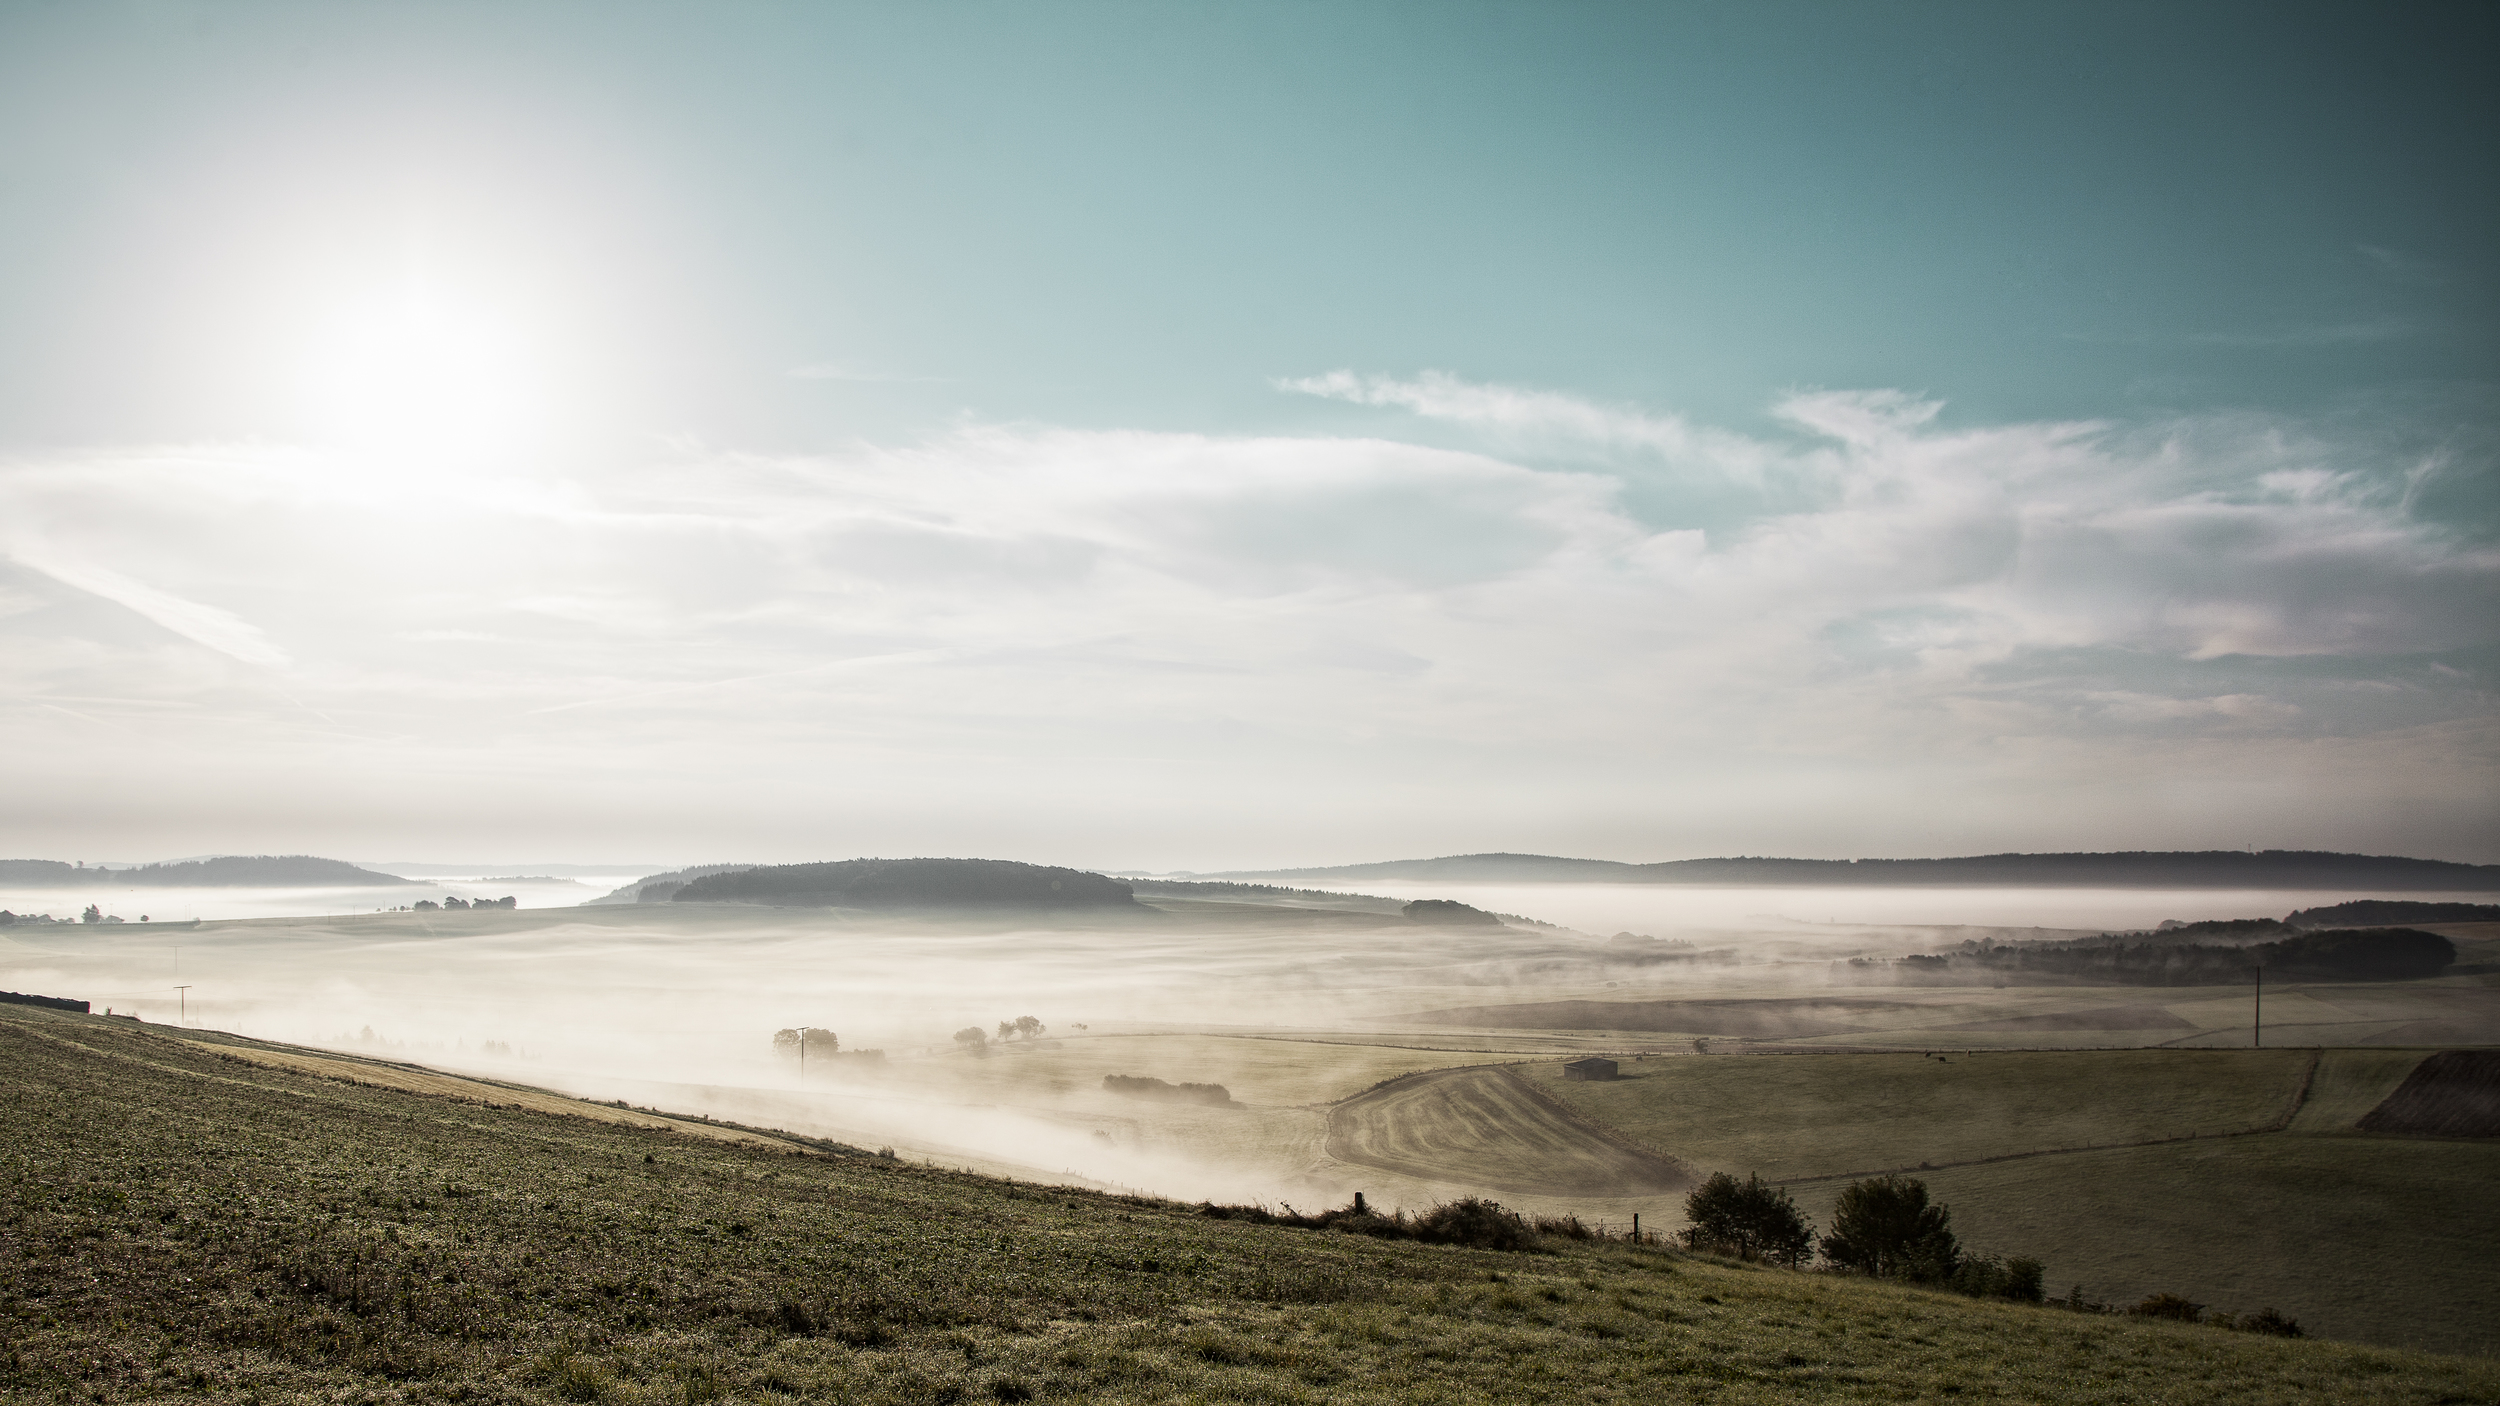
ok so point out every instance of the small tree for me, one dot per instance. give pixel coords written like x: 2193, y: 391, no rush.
x: 1006, y: 1031
x: 1751, y: 1219
x: 92, y: 915
x: 1884, y: 1226
x: 1029, y: 1028
x: 972, y: 1038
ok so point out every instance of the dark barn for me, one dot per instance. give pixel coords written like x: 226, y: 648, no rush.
x: 1592, y: 1068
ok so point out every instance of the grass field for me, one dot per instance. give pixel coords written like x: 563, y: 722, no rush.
x: 175, y: 1221
x: 2385, y: 1240
x: 1806, y: 1115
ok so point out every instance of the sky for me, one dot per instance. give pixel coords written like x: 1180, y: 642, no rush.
x: 1154, y: 436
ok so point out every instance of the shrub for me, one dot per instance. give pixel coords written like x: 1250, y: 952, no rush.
x: 1566, y: 1227
x: 1750, y: 1219
x: 2170, y: 1306
x: 1470, y: 1221
x: 2267, y: 1321
x: 1987, y: 1277
x: 1473, y: 1221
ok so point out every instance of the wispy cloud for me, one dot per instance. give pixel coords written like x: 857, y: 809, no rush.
x: 218, y: 629
x: 1024, y: 612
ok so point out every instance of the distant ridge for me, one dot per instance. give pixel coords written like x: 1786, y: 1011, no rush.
x: 2273, y: 868
x: 225, y: 871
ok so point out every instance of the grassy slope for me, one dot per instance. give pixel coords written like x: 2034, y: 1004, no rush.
x: 1789, y: 1116
x: 2374, y: 1239
x: 2238, y: 1222
x: 172, y: 1222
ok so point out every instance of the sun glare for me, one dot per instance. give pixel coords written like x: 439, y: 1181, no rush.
x: 422, y: 371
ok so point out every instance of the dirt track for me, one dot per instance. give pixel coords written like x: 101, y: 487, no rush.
x: 1486, y: 1127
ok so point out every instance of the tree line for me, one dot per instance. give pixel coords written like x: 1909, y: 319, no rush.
x: 2345, y: 954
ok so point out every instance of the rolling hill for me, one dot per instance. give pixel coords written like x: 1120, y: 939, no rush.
x: 2145, y: 869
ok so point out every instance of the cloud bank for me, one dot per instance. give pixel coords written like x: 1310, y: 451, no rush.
x: 1587, y: 627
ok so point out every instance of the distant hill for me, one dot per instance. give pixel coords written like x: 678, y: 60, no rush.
x: 226, y: 871
x: 911, y: 883
x: 2379, y: 912
x: 660, y: 888
x: 2274, y: 868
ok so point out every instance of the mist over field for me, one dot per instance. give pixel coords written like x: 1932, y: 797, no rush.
x: 1871, y: 560
x: 1291, y: 1004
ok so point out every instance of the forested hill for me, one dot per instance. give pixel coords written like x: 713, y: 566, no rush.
x: 2274, y: 868
x: 660, y: 888
x: 910, y: 883
x: 225, y: 871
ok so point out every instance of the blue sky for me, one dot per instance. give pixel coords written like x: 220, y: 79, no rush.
x: 1200, y: 436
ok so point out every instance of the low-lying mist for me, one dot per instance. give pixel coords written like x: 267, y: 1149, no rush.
x: 1290, y: 1007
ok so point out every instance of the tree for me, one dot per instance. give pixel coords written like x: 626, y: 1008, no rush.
x: 1751, y: 1219
x: 1884, y: 1226
x: 92, y: 915
x: 972, y: 1038
x: 1006, y: 1031
x: 1029, y: 1028
x: 820, y: 1041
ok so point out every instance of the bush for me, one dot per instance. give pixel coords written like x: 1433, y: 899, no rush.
x: 1750, y: 1219
x: 1471, y: 1221
x: 2269, y: 1322
x: 2170, y: 1306
x: 1987, y: 1277
x: 1475, y: 1222
x: 1883, y: 1226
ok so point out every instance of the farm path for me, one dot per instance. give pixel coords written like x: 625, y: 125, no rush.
x: 1485, y: 1126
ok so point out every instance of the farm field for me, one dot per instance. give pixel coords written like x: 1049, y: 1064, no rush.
x: 1489, y: 1128
x: 2384, y: 1240
x: 184, y: 1222
x: 1740, y: 1009
x: 1804, y: 1115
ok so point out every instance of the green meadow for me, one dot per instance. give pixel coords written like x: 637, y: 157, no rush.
x: 181, y: 1220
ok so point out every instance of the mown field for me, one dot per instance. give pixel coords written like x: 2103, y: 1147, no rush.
x: 1488, y: 1127
x: 174, y: 1221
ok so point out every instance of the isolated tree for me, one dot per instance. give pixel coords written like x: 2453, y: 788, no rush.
x: 1751, y: 1218
x: 1884, y: 1226
x: 1006, y: 1031
x: 92, y: 915
x: 972, y: 1038
x: 1029, y: 1028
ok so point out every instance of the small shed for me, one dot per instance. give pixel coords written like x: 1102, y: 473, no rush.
x: 1592, y: 1068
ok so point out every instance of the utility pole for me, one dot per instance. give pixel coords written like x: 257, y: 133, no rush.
x: 184, y: 997
x: 802, y: 1056
x: 2257, y: 1025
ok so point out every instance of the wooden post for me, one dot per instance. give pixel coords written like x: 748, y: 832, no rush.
x: 1636, y: 1227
